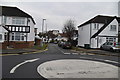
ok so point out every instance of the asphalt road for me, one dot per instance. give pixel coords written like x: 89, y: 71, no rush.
x: 29, y: 69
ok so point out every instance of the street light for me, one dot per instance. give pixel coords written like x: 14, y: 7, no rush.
x: 43, y: 25
x: 42, y: 29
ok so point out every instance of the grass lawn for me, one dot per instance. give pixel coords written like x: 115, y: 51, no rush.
x: 39, y: 47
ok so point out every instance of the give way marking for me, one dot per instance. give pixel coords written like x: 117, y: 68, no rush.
x: 14, y: 68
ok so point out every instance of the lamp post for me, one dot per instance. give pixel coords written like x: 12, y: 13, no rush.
x: 43, y: 29
x: 43, y: 25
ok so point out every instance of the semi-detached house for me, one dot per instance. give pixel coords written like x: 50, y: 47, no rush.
x: 16, y: 28
x: 98, y: 30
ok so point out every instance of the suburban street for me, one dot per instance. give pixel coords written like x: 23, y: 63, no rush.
x: 28, y: 69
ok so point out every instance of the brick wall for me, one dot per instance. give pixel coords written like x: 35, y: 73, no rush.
x: 37, y: 41
x: 17, y: 44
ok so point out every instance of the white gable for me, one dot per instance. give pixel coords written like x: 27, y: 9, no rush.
x: 107, y: 30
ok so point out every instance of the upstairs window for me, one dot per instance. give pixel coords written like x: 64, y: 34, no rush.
x: 5, y: 19
x: 113, y: 28
x: 18, y: 21
x: 96, y: 26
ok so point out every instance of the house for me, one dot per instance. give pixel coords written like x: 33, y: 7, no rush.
x: 52, y: 34
x: 61, y: 37
x: 98, y: 30
x: 55, y: 32
x: 16, y: 28
x: 38, y: 40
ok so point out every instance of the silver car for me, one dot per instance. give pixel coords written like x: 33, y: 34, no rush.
x: 111, y: 46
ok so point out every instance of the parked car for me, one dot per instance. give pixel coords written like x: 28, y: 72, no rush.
x: 111, y: 46
x: 66, y: 45
x: 55, y: 42
x: 60, y: 43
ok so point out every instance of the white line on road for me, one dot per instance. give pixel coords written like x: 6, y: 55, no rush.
x: 74, y: 53
x: 112, y: 61
x: 14, y: 68
x: 67, y: 53
x: 100, y: 60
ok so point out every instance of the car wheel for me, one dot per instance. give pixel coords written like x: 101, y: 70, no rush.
x: 101, y: 48
x: 111, y: 49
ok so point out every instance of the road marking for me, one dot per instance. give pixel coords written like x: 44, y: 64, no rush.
x: 74, y: 53
x: 14, y: 68
x: 101, y: 60
x: 86, y: 58
x: 112, y: 61
x: 91, y: 54
x: 67, y: 53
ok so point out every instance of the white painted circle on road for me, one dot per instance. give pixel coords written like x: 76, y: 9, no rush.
x: 75, y: 68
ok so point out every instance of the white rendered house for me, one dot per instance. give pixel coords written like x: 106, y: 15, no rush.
x: 98, y: 30
x: 16, y: 28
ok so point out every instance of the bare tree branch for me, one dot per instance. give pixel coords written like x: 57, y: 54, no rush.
x: 69, y: 28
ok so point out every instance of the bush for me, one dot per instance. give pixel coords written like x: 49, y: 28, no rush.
x: 41, y: 48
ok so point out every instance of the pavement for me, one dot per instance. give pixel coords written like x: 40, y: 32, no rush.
x: 78, y: 50
x: 96, y: 51
x: 19, y: 51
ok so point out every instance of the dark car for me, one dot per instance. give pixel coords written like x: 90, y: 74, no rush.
x: 111, y: 46
x: 66, y: 45
x: 60, y: 44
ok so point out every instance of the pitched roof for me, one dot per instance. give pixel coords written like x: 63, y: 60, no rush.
x: 14, y: 11
x: 106, y: 20
x: 102, y: 28
x: 99, y: 19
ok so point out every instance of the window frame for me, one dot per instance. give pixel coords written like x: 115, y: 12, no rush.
x: 110, y: 39
x: 18, y: 21
x: 113, y: 27
x: 96, y: 26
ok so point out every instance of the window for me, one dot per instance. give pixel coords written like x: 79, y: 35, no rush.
x: 12, y: 36
x: 5, y: 36
x: 5, y: 19
x: 0, y: 36
x: 22, y: 36
x: 96, y: 26
x: 17, y: 36
x: 113, y: 28
x: 18, y: 21
x: 110, y: 39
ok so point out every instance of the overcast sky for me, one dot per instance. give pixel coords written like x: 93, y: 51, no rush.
x: 56, y: 13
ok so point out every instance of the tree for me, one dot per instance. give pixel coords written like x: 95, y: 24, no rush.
x: 51, y: 35
x: 68, y: 29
